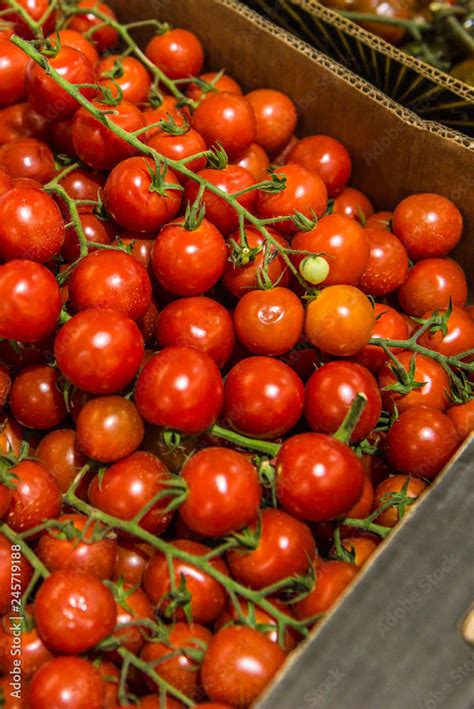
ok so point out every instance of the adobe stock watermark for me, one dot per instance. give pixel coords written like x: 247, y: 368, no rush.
x: 16, y: 622
x: 404, y: 606
x: 312, y: 698
x: 440, y: 696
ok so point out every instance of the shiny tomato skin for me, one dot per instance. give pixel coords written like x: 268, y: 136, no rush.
x: 224, y: 492
x: 180, y: 388
x: 12, y: 73
x: 131, y: 78
x: 99, y: 350
x: 239, y: 280
x: 106, y: 36
x: 433, y: 393
x: 6, y: 182
x: 28, y: 157
x: 239, y: 664
x: 197, y: 322
x: 31, y: 226
x: 276, y: 118
x: 269, y: 322
x: 462, y: 416
x: 362, y: 508
x: 181, y: 671
x: 128, y: 485
x: 224, y: 82
x: 340, y: 321
x: 380, y: 220
x: 96, y: 557
x: 95, y: 144
x: 109, y: 428
x: 11, y: 435
x: 421, y: 442
x: 344, y: 245
x: 30, y: 301
x: 131, y: 562
x: 95, y: 230
x: 189, y: 262
x: 59, y: 452
x: 177, y: 52
x: 232, y: 178
x: 36, y: 400
x: 153, y: 114
x: 353, y: 204
x: 76, y: 40
x: 263, y: 397
x: 255, y: 160
x: 111, y: 279
x: 178, y: 147
x: 208, y: 597
x: 24, y: 576
x: 428, y: 225
x: 304, y: 191
x: 132, y: 605
x: 396, y: 483
x: 458, y: 338
x: 82, y: 184
x: 390, y: 324
x: 35, y: 9
x: 46, y: 96
x: 318, y: 477
x: 33, y: 652
x: 36, y: 496
x: 231, y: 616
x: 387, y: 267
x: 430, y: 284
x: 286, y: 548
x: 326, y: 156
x: 132, y: 203
x: 66, y: 682
x: 228, y: 119
x: 330, y: 392
x: 332, y: 577
x: 22, y: 121
x: 361, y: 547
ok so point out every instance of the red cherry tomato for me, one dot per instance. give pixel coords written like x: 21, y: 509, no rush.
x: 36, y: 10
x: 5, y: 385
x: 255, y: 160
x: 12, y: 72
x: 353, y: 204
x: 72, y: 677
x: 126, y: 75
x: 105, y: 36
x: 21, y: 121
x: 276, y: 118
x: 178, y: 53
x: 430, y: 284
x: 76, y: 40
x: 96, y: 231
x: 387, y: 267
x: 389, y: 324
x: 395, y: 484
x: 226, y: 118
x: 180, y: 388
x: 28, y: 157
x: 35, y: 498
x: 58, y: 450
x: 434, y: 391
x: 99, y: 350
x: 263, y: 397
x: 32, y: 653
x: 462, y: 417
x: 6, y: 182
x: 332, y: 577
x: 109, y: 428
x: 326, y: 156
x: 428, y: 225
x: 36, y: 400
x: 133, y: 606
x: 458, y: 338
x: 82, y: 184
x: 179, y: 147
x: 24, y: 573
x: 220, y: 82
x: 380, y: 220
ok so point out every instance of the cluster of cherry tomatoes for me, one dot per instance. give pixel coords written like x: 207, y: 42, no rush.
x: 223, y: 377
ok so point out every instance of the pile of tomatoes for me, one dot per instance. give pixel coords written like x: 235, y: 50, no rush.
x: 223, y: 377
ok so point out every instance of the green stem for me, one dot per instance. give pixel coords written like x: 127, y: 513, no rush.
x: 28, y: 553
x: 74, y: 214
x: 413, y: 346
x: 368, y: 526
x: 141, y: 665
x: 352, y: 418
x: 245, y: 442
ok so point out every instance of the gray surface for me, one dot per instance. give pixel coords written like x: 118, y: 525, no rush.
x: 394, y: 641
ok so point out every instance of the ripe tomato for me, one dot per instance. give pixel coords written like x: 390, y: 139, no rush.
x: 396, y: 9
x: 132, y: 606
x: 223, y: 492
x: 46, y: 96
x: 340, y: 321
x: 262, y: 618
x: 430, y: 284
x: 36, y: 400
x: 99, y: 350
x: 231, y: 179
x: 396, y: 483
x: 433, y: 393
x: 105, y: 36
x: 326, y: 156
x: 462, y: 417
x: 255, y: 160
x: 12, y: 73
x: 330, y: 392
x: 23, y: 570
x: 30, y: 301
x: 5, y: 385
x: 178, y: 53
x: 380, y: 220
x: 239, y: 664
x: 239, y: 279
x: 226, y: 118
x: 220, y: 82
x: 197, y: 322
x: 76, y: 40
x: 179, y: 147
x: 390, y: 324
x: 208, y: 597
x: 459, y: 337
x: 363, y: 507
x: 6, y: 182
x: 131, y: 562
x: 342, y: 243
x: 189, y: 261
x: 11, y: 435
x: 428, y: 225
x: 181, y: 669
x: 95, y: 230
x: 82, y: 184
x: 32, y: 653
x: 109, y: 428
x: 28, y: 157
x: 318, y: 478
x: 31, y: 226
x: 35, y: 498
x: 73, y: 611
x: 332, y: 577
x: 304, y: 192
x: 36, y: 10
x: 387, y: 267
x: 263, y: 397
x: 353, y: 204
x: 129, y: 485
x: 59, y: 452
x: 180, y: 388
x: 79, y: 548
x: 285, y: 548
x: 95, y: 144
x: 276, y: 118
x: 126, y: 75
x: 21, y: 121
x: 132, y: 200
x: 361, y: 547
x: 67, y: 680
x: 169, y: 107
x: 111, y: 279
